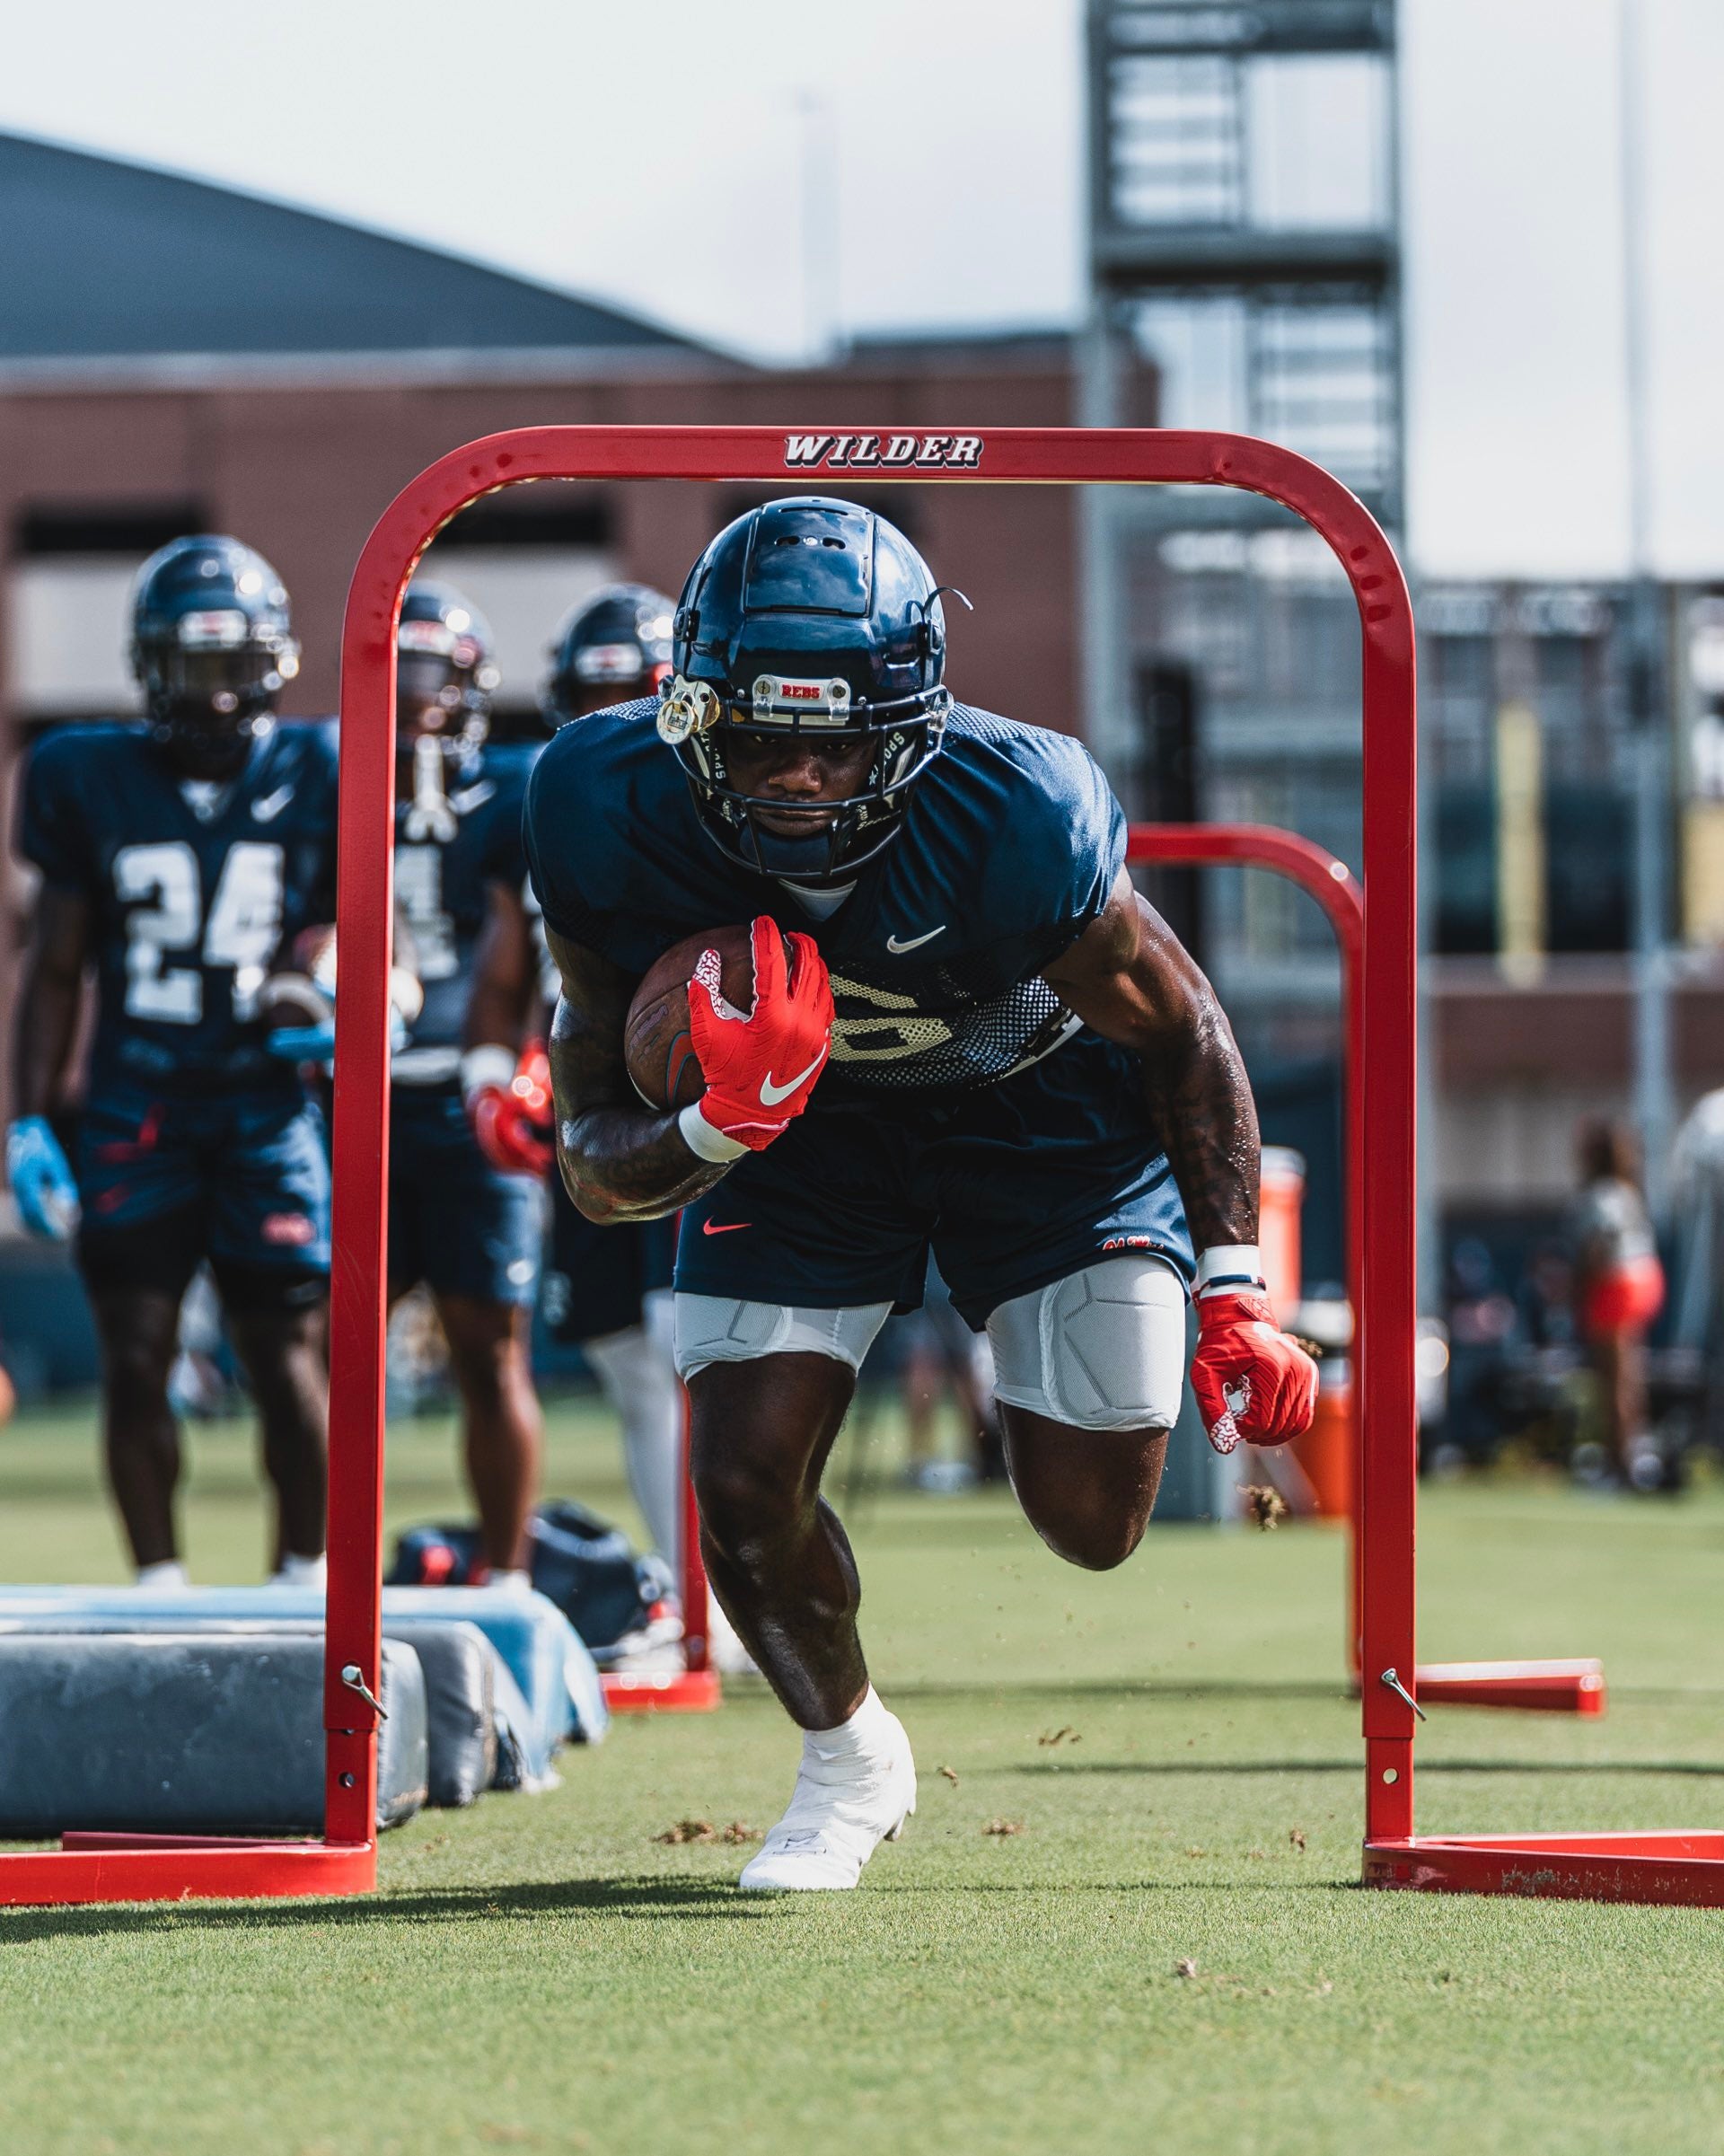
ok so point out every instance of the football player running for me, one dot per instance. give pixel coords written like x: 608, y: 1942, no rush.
x: 468, y: 1136
x: 983, y: 1040
x: 180, y: 855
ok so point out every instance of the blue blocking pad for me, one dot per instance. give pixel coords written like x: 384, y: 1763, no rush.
x: 561, y: 1697
x: 187, y: 1732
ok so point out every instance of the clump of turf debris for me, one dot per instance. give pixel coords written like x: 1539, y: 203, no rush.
x: 703, y: 1831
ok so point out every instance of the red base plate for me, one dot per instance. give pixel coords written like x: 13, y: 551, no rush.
x: 173, y: 1868
x: 669, y: 1692
x: 1570, y: 1687
x: 1686, y: 1868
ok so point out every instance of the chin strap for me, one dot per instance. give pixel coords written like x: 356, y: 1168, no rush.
x: 430, y: 817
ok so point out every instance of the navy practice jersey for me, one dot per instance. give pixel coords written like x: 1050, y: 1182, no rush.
x: 1009, y: 849
x: 197, y: 889
x: 445, y: 867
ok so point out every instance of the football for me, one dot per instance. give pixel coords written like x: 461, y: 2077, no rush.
x: 304, y: 993
x: 656, y: 1042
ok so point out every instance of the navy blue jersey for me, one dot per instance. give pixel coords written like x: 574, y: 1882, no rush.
x: 197, y: 889
x: 1012, y: 843
x: 445, y: 867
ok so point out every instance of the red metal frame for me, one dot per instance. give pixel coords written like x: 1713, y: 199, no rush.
x: 1684, y: 1868
x: 1574, y: 1686
x: 696, y: 1688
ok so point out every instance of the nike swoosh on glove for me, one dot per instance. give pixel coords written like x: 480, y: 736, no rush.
x: 43, y: 1186
x: 1255, y: 1385
x: 760, y: 1067
x: 513, y: 1123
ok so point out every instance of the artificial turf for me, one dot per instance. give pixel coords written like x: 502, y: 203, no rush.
x: 1170, y: 1949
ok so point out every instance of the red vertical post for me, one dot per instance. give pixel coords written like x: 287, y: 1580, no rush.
x: 1386, y: 1375
x: 696, y: 1593
x: 353, y: 1636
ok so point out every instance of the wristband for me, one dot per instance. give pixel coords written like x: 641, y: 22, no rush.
x: 488, y: 1065
x: 704, y: 1140
x: 1230, y: 1268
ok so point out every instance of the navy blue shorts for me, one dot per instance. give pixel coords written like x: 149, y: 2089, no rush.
x: 241, y: 1179
x: 455, y: 1222
x: 598, y: 1277
x: 1011, y: 1186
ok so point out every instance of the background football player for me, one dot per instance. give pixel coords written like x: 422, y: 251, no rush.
x: 609, y: 1294
x: 180, y: 855
x: 1011, y: 1059
x: 469, y: 1137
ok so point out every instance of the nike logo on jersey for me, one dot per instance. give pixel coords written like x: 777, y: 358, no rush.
x: 771, y: 1095
x: 267, y: 810
x: 913, y: 943
x: 729, y: 1228
x: 471, y: 797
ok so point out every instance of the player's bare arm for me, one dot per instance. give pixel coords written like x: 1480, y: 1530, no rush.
x: 50, y: 999
x: 619, y: 1160
x: 1130, y: 977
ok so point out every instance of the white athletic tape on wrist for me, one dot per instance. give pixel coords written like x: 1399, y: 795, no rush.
x: 489, y: 1064
x: 705, y: 1140
x: 1230, y: 1268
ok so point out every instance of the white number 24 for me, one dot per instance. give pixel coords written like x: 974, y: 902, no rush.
x: 242, y: 930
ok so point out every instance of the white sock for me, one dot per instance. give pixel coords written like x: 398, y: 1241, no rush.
x: 301, y: 1572
x: 640, y: 1381
x: 168, y: 1574
x: 854, y: 1740
x: 511, y: 1579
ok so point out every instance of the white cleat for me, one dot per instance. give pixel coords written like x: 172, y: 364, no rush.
x: 845, y: 1804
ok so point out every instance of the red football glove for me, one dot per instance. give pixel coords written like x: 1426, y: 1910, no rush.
x: 761, y: 1069
x: 1254, y: 1385
x: 515, y: 1124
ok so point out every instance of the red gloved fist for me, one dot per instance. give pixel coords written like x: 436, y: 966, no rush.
x: 515, y: 1124
x: 1254, y: 1385
x: 760, y: 1067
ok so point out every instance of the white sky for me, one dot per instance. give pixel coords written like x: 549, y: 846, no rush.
x: 651, y: 152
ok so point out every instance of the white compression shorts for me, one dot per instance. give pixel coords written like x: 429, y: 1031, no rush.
x: 1103, y: 1348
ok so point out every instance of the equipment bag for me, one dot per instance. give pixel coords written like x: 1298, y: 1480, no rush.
x: 588, y: 1568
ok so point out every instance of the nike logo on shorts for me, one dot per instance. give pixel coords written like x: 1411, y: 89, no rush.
x: 913, y: 943
x: 729, y: 1228
x: 771, y: 1095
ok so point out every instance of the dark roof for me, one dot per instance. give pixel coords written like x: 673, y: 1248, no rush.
x: 104, y: 259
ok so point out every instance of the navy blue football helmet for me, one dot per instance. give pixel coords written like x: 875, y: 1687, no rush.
x: 212, y: 648
x: 445, y: 669
x: 611, y: 647
x: 807, y: 617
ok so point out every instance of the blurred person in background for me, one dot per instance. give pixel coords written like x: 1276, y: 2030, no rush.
x: 1619, y: 1285
x: 469, y: 1107
x: 180, y: 854
x: 1697, y: 1295
x: 608, y: 1289
x: 943, y: 1357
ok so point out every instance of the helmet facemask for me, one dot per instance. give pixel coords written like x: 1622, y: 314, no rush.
x: 443, y: 680
x: 210, y: 689
x: 843, y: 835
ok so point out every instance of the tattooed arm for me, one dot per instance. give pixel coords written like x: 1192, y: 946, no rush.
x: 619, y: 1159
x: 1129, y: 976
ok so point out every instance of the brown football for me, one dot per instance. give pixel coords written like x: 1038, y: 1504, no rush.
x: 657, y: 1044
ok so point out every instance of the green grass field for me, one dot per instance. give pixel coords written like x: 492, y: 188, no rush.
x: 541, y: 1973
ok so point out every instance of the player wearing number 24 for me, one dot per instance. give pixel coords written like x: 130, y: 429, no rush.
x: 965, y: 1031
x: 180, y: 854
